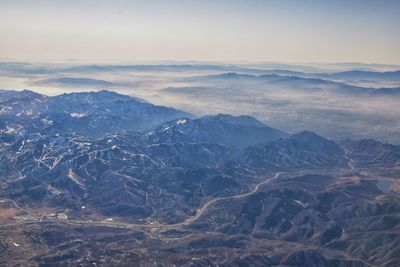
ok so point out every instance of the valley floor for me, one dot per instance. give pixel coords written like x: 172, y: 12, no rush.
x: 208, y: 238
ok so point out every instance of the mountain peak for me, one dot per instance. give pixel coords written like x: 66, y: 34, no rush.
x: 10, y: 94
x: 306, y: 134
x: 240, y: 131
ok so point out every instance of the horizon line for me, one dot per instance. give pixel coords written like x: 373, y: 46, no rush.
x: 192, y: 61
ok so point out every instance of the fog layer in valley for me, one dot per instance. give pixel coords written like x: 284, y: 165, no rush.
x: 336, y: 101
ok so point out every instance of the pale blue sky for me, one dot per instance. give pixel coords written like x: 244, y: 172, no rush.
x: 291, y: 31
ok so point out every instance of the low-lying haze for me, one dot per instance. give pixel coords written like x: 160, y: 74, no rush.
x: 337, y: 104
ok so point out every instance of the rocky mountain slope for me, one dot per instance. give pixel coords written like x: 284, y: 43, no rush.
x: 92, y: 114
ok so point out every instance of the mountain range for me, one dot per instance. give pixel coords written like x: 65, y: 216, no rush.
x: 100, y: 178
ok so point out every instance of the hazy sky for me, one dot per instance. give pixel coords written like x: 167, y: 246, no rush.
x: 214, y: 30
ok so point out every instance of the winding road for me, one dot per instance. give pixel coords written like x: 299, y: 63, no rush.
x: 188, y: 221
x: 201, y: 211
